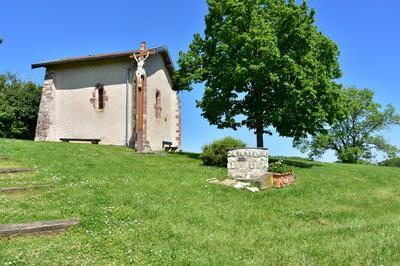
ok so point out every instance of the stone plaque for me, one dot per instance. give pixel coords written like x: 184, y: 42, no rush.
x: 247, y: 163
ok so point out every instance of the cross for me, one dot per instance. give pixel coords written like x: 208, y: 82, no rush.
x: 140, y: 58
x: 143, y: 52
x: 141, y: 84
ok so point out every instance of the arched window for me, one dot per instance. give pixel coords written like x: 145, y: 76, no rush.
x: 100, y: 96
x: 157, y: 106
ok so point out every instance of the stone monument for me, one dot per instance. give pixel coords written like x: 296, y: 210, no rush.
x: 247, y: 168
x: 247, y: 164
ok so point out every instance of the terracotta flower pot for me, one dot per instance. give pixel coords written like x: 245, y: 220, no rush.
x: 283, y: 180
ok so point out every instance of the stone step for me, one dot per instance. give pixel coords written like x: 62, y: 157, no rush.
x: 15, y: 170
x: 16, y: 189
x: 37, y: 227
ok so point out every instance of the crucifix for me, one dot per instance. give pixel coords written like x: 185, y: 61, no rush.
x: 141, y: 83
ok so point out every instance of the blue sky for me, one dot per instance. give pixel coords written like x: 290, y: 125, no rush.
x: 366, y: 31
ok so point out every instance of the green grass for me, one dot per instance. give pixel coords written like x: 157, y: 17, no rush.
x: 155, y: 209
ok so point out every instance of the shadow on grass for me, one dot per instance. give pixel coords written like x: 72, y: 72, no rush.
x: 191, y: 155
x: 292, y: 161
x: 295, y: 162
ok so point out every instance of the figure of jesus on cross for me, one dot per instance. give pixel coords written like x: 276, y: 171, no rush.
x: 140, y: 58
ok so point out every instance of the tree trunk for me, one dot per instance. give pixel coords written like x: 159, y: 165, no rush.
x: 260, y: 134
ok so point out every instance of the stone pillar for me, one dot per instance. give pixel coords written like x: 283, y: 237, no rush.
x: 146, y: 143
x: 178, y: 117
x: 46, y: 115
x: 247, y: 163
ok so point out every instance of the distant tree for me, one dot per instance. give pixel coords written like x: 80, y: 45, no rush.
x: 264, y: 63
x: 19, y: 106
x: 393, y: 162
x: 355, y: 137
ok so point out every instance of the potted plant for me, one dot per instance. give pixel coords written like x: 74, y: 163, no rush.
x: 282, y: 174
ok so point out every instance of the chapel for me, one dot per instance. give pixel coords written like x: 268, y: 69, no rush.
x: 124, y: 98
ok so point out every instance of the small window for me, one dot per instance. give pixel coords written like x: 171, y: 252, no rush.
x: 100, y: 96
x: 157, y: 106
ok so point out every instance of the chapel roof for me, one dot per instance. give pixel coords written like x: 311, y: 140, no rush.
x: 162, y: 50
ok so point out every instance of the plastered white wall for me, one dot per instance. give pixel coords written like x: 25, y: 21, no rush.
x: 163, y: 129
x: 77, y: 117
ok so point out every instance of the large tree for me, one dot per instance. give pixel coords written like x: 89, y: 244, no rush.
x: 356, y: 136
x: 264, y: 64
x: 19, y: 106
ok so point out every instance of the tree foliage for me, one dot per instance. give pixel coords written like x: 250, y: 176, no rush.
x: 392, y: 162
x: 356, y: 136
x: 264, y: 63
x: 19, y: 106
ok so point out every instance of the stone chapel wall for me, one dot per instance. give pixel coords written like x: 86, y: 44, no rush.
x: 47, y: 111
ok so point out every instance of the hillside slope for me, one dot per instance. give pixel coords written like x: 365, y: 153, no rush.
x: 159, y: 209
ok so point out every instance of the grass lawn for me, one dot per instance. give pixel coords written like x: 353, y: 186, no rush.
x: 154, y: 209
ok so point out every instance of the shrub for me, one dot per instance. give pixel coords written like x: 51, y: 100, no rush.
x: 351, y: 155
x: 394, y: 162
x: 216, y: 152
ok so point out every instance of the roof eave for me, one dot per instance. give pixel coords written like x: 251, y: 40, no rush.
x: 162, y: 50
